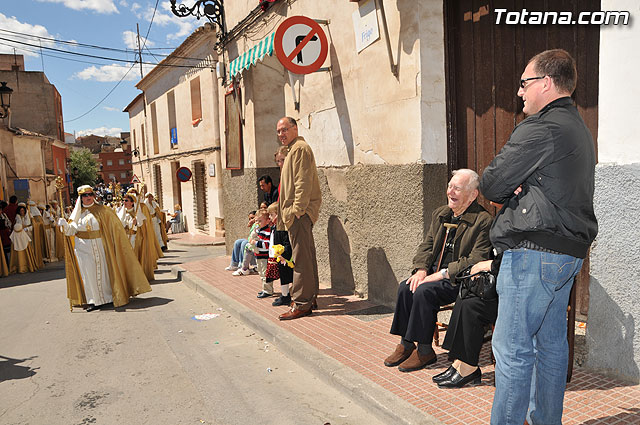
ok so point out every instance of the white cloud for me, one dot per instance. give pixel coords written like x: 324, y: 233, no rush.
x: 111, y: 109
x: 106, y: 73
x: 100, y: 131
x: 130, y: 40
x: 164, y: 17
x: 111, y: 73
x: 12, y: 24
x: 124, y: 3
x: 99, y: 6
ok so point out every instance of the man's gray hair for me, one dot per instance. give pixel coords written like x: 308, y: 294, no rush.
x: 474, y: 178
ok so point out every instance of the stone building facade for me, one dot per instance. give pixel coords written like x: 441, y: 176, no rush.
x: 435, y: 90
x: 174, y: 124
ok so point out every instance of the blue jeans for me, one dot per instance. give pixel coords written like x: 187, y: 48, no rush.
x: 238, y: 252
x: 530, y: 337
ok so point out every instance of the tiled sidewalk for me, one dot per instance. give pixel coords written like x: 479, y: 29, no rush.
x: 188, y: 239
x: 356, y: 333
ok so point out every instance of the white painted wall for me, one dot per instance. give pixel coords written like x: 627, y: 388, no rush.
x: 618, y: 105
x: 359, y: 112
x: 191, y: 138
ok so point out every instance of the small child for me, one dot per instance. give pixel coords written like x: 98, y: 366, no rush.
x: 261, y: 244
x: 248, y: 257
x: 281, y: 237
x: 237, y: 255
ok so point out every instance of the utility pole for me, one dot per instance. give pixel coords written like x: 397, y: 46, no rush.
x: 139, y: 50
x: 144, y: 104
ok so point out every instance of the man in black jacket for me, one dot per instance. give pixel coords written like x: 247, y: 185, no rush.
x: 544, y: 177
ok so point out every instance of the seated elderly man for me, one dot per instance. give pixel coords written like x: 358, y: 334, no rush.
x: 458, y: 237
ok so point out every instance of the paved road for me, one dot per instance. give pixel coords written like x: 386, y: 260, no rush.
x: 149, y: 364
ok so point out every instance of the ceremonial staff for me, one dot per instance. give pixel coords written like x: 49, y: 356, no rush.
x: 59, y: 187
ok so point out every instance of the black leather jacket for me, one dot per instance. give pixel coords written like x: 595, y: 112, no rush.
x: 551, y: 156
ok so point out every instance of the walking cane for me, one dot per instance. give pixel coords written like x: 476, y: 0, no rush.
x: 448, y: 226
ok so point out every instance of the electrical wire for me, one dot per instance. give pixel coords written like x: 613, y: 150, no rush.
x: 104, y: 98
x: 90, y: 46
x: 99, y: 57
x: 125, y: 75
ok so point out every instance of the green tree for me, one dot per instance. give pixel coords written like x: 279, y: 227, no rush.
x: 84, y: 168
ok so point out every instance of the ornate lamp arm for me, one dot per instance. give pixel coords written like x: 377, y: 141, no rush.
x: 213, y: 10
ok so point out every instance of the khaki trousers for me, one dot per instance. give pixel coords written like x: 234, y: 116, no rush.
x: 262, y: 271
x: 304, y: 289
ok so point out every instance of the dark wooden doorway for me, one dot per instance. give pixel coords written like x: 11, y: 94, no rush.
x: 483, y: 65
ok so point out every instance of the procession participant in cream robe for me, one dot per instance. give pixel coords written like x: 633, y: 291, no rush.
x: 38, y: 238
x: 49, y: 224
x: 145, y: 246
x: 56, y: 213
x: 22, y: 258
x: 153, y: 241
x: 131, y: 219
x: 22, y: 218
x: 101, y: 268
x: 156, y: 215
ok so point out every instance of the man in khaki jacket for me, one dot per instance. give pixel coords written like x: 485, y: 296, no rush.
x: 299, y: 205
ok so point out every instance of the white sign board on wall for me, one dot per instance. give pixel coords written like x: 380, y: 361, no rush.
x: 365, y: 25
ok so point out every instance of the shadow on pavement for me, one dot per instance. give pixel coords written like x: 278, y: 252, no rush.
x: 632, y: 416
x: 140, y: 303
x: 9, y: 368
x: 51, y: 271
x: 163, y: 281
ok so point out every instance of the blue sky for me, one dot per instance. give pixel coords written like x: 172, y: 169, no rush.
x: 106, y: 23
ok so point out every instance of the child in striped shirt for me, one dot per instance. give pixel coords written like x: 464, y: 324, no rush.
x: 261, y: 243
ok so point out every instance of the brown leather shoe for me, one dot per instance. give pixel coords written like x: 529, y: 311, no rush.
x: 398, y: 356
x: 417, y: 361
x: 294, y: 313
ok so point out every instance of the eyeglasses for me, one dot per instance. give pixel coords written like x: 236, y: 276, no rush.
x: 86, y: 194
x: 524, y: 80
x: 283, y: 130
x: 455, y: 188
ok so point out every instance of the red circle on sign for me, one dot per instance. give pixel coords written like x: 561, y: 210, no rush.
x: 183, y: 174
x: 287, y: 62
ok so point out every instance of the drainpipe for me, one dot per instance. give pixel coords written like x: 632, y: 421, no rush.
x: 216, y: 143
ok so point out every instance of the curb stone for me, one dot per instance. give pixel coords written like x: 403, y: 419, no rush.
x: 389, y: 407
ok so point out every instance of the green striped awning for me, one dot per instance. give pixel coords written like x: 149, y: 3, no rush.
x: 251, y: 57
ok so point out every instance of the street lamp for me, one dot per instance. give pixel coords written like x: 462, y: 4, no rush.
x: 213, y: 10
x: 5, y: 99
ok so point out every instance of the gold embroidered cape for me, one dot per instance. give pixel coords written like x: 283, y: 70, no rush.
x: 125, y: 273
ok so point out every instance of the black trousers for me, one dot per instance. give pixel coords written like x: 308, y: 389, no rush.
x: 415, y: 316
x: 465, y: 334
x: 286, y: 274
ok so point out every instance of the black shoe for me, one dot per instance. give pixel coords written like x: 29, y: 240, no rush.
x: 457, y: 381
x: 93, y: 307
x: 282, y: 300
x: 164, y: 248
x: 444, y: 375
x: 105, y: 306
x: 263, y: 294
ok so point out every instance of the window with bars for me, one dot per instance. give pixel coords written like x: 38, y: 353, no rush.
x: 200, y: 195
x: 157, y: 183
